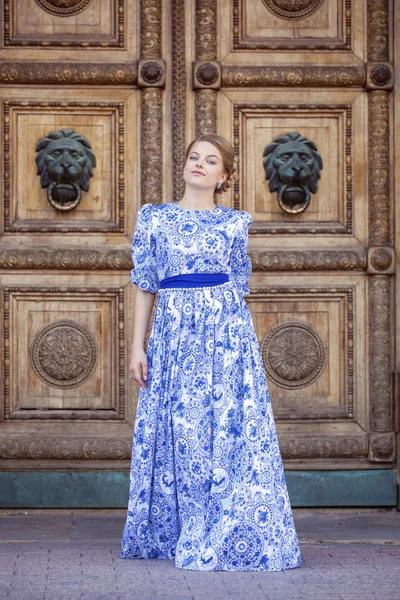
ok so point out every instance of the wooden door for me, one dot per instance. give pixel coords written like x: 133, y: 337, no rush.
x: 138, y: 80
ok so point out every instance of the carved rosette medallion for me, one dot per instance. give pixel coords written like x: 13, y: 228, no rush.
x: 381, y: 259
x: 151, y: 72
x: 64, y: 354
x: 293, y: 355
x: 381, y: 75
x: 292, y: 9
x: 64, y: 8
x: 207, y: 74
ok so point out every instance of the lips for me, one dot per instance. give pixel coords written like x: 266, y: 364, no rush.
x: 197, y: 173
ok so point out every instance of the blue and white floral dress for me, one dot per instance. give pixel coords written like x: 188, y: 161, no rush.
x: 207, y: 486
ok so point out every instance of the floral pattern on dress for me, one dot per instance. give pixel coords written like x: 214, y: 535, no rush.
x: 207, y: 485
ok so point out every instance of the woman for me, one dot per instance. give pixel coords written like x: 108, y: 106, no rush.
x: 207, y: 486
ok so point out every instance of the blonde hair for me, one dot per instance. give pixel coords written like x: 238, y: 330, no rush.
x: 227, y: 153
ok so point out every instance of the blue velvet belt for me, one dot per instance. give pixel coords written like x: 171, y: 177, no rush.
x: 194, y: 280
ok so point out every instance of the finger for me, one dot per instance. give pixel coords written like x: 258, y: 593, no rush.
x: 144, y: 371
x: 138, y: 378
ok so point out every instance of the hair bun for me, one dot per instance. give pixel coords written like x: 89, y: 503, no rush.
x: 229, y: 181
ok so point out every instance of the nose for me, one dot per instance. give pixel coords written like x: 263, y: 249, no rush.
x: 65, y: 162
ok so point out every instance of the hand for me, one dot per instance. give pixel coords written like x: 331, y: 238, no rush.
x: 138, y: 367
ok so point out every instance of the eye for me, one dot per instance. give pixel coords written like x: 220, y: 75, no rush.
x: 56, y: 153
x: 75, y: 154
x: 304, y: 157
x: 285, y: 157
x: 213, y: 162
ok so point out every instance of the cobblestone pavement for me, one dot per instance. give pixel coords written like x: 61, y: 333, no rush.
x: 87, y: 567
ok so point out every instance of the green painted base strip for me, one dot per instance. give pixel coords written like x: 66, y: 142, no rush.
x: 109, y: 489
x: 63, y: 489
x: 342, y: 488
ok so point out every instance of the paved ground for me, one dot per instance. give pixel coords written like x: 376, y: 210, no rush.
x: 351, y: 555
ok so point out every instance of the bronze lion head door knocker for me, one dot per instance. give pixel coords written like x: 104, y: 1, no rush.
x: 65, y: 163
x: 292, y: 165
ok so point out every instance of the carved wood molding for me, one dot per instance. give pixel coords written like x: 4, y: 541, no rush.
x: 323, y: 447
x: 206, y: 29
x: 150, y: 28
x: 117, y: 40
x: 304, y: 228
x: 206, y: 73
x: 65, y: 258
x: 92, y: 448
x: 120, y: 259
x: 206, y: 111
x: 116, y: 226
x: 239, y: 42
x: 317, y: 260
x: 50, y: 73
x: 257, y: 291
x: 380, y: 377
x: 178, y: 74
x: 378, y: 30
x: 151, y: 146
x: 296, y: 76
x: 10, y: 292
x: 380, y: 227
x: 88, y: 448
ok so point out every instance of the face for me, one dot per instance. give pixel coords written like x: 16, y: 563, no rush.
x: 204, y: 167
x: 293, y: 162
x: 65, y: 160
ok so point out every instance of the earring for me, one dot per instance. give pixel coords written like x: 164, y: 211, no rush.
x: 182, y: 177
x: 218, y: 186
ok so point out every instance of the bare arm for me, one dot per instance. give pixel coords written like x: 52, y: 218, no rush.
x: 143, y: 306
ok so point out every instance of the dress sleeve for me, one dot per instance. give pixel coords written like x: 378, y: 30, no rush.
x: 144, y: 275
x: 240, y: 262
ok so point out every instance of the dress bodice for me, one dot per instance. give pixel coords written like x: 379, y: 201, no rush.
x: 169, y: 240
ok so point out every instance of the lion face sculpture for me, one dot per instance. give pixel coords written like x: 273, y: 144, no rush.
x: 64, y: 162
x: 292, y: 165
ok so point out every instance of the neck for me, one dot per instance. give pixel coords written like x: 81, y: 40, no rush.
x: 197, y: 199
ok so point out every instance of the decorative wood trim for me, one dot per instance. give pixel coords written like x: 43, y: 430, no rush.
x: 150, y: 30
x: 118, y: 293
x: 151, y: 146
x: 317, y: 260
x: 303, y: 228
x: 239, y: 42
x: 348, y: 293
x: 87, y: 448
x: 378, y: 30
x: 206, y: 111
x: 323, y: 447
x: 26, y: 226
x: 91, y: 448
x: 51, y: 73
x: 93, y: 259
x: 178, y: 68
x: 116, y: 41
x: 206, y: 30
x: 380, y: 226
x: 296, y: 76
x: 380, y: 374
x: 206, y: 50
